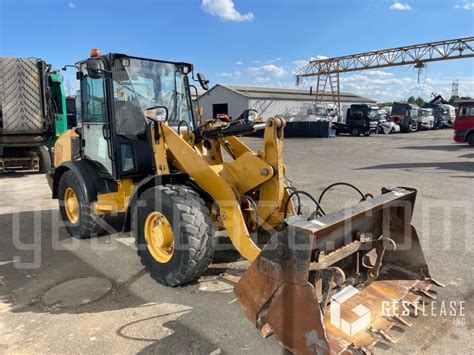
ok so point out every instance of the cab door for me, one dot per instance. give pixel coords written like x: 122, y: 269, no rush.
x: 95, y: 123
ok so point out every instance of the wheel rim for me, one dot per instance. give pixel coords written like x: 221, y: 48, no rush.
x: 71, y: 205
x: 159, y: 237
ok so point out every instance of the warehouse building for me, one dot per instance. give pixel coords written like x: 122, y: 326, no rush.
x: 269, y: 102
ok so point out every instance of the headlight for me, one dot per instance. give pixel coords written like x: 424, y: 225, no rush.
x: 252, y: 115
x: 249, y: 115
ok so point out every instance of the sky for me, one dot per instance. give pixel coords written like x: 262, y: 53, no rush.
x: 253, y: 42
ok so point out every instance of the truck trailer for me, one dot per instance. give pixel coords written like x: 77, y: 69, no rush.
x: 32, y: 113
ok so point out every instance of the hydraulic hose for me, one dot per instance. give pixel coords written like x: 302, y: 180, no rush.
x: 364, y: 197
x: 298, y: 192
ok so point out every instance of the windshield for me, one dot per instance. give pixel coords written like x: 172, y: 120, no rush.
x: 426, y: 113
x: 139, y: 84
x: 373, y: 114
x: 321, y: 112
x: 414, y: 112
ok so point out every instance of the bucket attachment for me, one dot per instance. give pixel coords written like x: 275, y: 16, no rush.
x: 333, y: 285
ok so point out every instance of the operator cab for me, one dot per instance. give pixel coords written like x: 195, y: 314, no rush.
x: 115, y: 94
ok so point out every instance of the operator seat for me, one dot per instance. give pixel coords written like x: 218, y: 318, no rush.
x: 133, y: 133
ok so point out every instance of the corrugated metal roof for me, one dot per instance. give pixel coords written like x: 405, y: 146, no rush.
x: 257, y: 92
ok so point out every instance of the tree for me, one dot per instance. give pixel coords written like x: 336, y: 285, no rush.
x: 384, y: 104
x: 420, y: 102
x: 411, y: 100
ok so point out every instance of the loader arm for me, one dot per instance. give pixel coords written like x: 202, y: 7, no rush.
x: 272, y: 192
x: 227, y: 182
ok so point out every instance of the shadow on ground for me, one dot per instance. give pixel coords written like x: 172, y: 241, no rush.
x: 449, y: 148
x: 453, y: 166
x: 31, y: 243
x: 183, y: 339
x: 14, y: 174
x: 32, y: 261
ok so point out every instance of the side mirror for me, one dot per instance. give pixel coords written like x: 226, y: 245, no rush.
x: 157, y: 113
x: 203, y: 81
x: 94, y: 67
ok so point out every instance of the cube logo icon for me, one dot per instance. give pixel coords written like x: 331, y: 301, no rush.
x: 358, y: 320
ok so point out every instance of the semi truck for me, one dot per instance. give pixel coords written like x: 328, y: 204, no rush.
x: 32, y: 113
x: 360, y: 118
x: 405, y: 115
x: 425, y: 119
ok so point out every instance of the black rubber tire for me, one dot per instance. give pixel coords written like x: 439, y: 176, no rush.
x: 20, y: 84
x: 192, y: 229
x: 44, y: 159
x: 367, y: 133
x: 88, y: 224
x: 470, y: 139
x: 355, y: 132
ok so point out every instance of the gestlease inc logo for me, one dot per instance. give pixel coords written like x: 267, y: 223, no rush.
x: 358, y: 320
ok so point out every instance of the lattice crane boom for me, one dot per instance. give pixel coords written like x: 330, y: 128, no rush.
x: 414, y: 54
x: 328, y: 70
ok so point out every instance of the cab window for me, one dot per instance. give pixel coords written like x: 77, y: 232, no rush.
x: 466, y: 111
x: 93, y: 100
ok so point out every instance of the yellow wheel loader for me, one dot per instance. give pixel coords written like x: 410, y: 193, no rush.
x: 319, y: 283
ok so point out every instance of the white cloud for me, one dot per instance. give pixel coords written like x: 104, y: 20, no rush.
x: 236, y: 74
x: 71, y: 5
x: 239, y: 63
x: 466, y: 5
x: 225, y: 10
x: 298, y: 65
x: 273, y: 60
x: 379, y: 73
x: 400, y: 6
x: 263, y: 80
x: 267, y: 71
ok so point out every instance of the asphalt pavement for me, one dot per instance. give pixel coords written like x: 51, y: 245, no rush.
x: 62, y: 295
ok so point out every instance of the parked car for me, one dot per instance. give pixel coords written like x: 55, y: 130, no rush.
x: 388, y: 127
x: 405, y: 115
x: 464, y: 123
x: 426, y: 118
x: 360, y: 118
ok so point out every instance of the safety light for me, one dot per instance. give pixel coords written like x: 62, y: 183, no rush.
x: 95, y: 52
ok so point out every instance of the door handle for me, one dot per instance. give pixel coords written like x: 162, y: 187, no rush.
x: 105, y: 132
x: 106, y: 135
